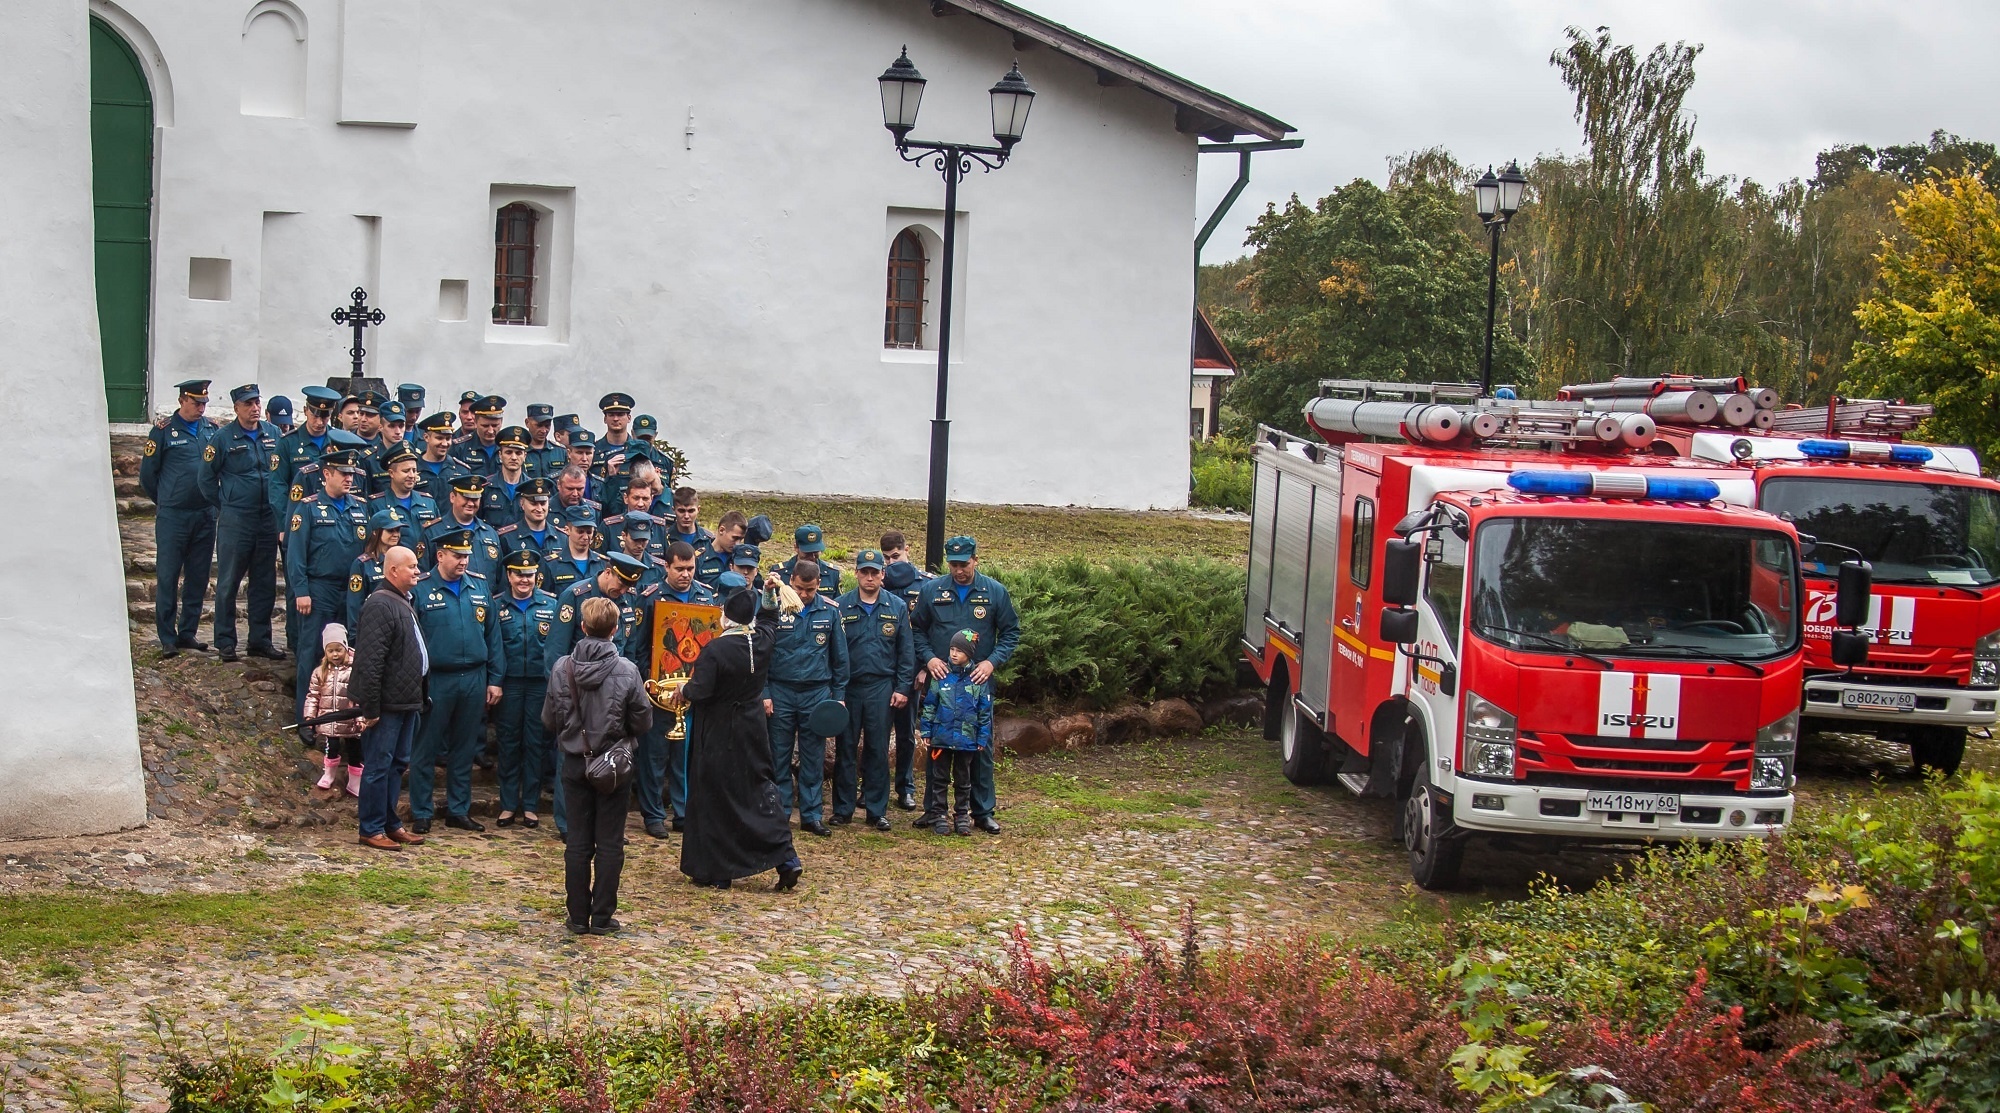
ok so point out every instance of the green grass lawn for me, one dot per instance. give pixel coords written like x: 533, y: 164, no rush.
x: 1007, y: 534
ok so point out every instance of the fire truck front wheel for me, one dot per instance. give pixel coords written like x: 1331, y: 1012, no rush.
x: 1302, y: 745
x: 1939, y: 748
x: 1436, y: 851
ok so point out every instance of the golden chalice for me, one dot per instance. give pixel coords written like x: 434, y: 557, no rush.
x: 666, y: 695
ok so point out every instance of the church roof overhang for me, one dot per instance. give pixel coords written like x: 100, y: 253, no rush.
x: 1197, y: 110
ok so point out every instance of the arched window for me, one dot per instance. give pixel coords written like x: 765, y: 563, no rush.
x: 903, y: 321
x: 514, y: 265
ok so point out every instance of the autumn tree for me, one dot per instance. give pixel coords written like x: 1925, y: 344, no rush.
x: 1932, y: 330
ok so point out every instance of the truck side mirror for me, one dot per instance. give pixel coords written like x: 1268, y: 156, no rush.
x: 1402, y: 564
x: 1850, y: 648
x: 1399, y: 625
x: 1850, y: 601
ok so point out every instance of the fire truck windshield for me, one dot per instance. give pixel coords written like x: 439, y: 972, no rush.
x: 1911, y: 531
x: 1657, y: 589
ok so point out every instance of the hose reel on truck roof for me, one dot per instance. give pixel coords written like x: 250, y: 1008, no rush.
x: 1621, y: 414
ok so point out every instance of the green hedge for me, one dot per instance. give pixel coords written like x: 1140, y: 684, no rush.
x: 1222, y: 475
x: 1100, y: 633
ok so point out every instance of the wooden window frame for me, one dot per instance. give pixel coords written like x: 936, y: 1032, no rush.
x: 903, y: 318
x: 506, y: 282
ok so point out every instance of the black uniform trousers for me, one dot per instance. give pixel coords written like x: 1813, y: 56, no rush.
x: 246, y: 545
x: 596, y: 838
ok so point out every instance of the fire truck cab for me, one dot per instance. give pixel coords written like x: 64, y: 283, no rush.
x: 1928, y: 523
x: 1514, y: 637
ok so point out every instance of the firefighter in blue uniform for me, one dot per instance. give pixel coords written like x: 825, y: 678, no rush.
x: 576, y: 556
x: 436, y: 467
x: 713, y: 559
x: 684, y: 521
x: 966, y: 600
x: 324, y: 532
x: 646, y: 427
x: 617, y: 440
x: 234, y: 464
x: 881, y: 672
x: 662, y: 757
x: 615, y: 581
x: 808, y: 667
x: 637, y: 525
x: 461, y: 632
x: 184, y: 521
x: 467, y: 491
x: 368, y: 426
x: 480, y: 453
x: 395, y: 427
x: 503, y: 485
x: 297, y: 473
x: 808, y: 541
x: 545, y: 457
x: 527, y: 615
x: 530, y: 528
x: 907, y: 581
x: 404, y: 495
x: 411, y: 395
x: 389, y: 525
x: 278, y: 411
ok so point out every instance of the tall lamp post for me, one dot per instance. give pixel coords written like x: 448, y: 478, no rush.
x: 902, y: 91
x: 1499, y: 199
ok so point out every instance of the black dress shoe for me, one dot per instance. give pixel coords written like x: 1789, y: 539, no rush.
x: 816, y: 828
x: 504, y: 821
x: 987, y: 824
x: 190, y: 643
x: 608, y: 927
x: 267, y: 652
x: 788, y: 878
x: 464, y: 823
x: 907, y: 801
x: 483, y: 761
x: 678, y: 823
x: 842, y: 820
x: 421, y: 826
x: 880, y: 823
x: 577, y: 928
x: 923, y: 821
x: 656, y: 829
x: 168, y: 654
x: 227, y: 655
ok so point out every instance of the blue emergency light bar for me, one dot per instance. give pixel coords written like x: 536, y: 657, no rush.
x: 1869, y: 451
x: 1613, y: 485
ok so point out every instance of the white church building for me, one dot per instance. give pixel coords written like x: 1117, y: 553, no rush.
x: 693, y: 203
x: 697, y: 204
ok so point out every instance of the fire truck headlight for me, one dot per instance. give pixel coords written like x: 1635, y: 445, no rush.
x: 1776, y: 743
x: 1986, y: 661
x: 1490, y: 735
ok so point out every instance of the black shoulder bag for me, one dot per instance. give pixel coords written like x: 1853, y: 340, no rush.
x: 608, y: 769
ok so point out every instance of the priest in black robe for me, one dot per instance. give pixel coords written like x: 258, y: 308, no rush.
x: 735, y: 825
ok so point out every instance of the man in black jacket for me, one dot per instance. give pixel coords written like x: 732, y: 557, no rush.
x: 387, y: 684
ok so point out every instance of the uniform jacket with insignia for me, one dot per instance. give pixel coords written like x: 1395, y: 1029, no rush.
x: 809, y: 649
x: 497, y: 504
x: 321, y: 541
x: 236, y: 465
x: 481, y: 459
x: 709, y: 565
x: 485, y: 546
x: 297, y: 473
x: 461, y: 630
x: 986, y: 609
x: 829, y: 576
x: 435, y: 479
x: 569, y: 622
x: 422, y: 511
x: 361, y: 583
x: 559, y: 514
x: 880, y: 645
x: 559, y: 571
x: 525, y: 626
x: 170, y: 463
x: 516, y: 536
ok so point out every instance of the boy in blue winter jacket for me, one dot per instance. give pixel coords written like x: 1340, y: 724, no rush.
x: 957, y: 723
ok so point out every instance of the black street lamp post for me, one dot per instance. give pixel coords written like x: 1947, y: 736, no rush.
x: 1499, y: 198
x: 902, y: 91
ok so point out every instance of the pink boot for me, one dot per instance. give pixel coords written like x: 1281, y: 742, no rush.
x: 354, y: 780
x: 326, y: 779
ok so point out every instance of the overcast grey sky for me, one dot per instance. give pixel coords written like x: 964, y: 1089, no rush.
x: 1779, y: 80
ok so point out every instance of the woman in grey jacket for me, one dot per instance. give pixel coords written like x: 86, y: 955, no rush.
x: 595, y: 697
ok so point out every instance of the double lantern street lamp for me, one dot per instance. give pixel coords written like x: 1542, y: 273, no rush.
x: 1499, y: 199
x: 902, y: 91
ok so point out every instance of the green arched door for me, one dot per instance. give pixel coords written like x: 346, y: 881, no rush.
x: 121, y: 157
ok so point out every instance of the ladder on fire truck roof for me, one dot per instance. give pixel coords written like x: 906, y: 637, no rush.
x: 1854, y: 417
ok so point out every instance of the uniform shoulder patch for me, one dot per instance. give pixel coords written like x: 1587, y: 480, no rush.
x: 274, y: 461
x: 152, y: 447
x: 208, y: 452
x: 354, y: 583
x: 505, y: 530
x: 297, y: 521
x: 298, y: 493
x: 568, y: 612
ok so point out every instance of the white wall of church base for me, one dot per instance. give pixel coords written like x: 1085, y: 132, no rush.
x: 69, y: 745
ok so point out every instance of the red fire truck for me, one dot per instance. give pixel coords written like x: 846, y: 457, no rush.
x: 1928, y: 522
x: 1512, y: 619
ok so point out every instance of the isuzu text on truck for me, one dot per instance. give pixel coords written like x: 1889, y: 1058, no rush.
x: 1514, y: 621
